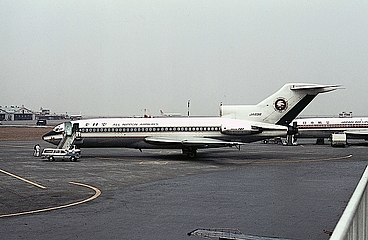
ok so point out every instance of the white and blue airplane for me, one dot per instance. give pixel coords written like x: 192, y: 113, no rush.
x: 237, y: 125
x: 321, y: 128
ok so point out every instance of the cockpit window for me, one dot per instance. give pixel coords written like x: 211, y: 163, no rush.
x: 59, y: 128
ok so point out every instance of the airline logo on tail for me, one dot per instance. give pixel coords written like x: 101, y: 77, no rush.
x: 281, y: 104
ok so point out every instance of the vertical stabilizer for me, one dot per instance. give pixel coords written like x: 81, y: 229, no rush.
x: 281, y: 107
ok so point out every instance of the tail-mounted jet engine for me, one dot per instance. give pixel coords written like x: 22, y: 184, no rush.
x: 240, y: 129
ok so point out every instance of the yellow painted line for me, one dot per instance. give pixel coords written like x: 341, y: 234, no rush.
x: 105, y: 158
x: 301, y: 160
x: 276, y: 161
x: 16, y: 146
x: 96, y: 195
x: 22, y: 179
x: 152, y: 163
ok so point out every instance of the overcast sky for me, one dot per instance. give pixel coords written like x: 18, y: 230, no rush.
x: 120, y: 57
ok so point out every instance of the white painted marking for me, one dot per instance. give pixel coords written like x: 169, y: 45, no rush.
x: 22, y: 179
x: 96, y: 195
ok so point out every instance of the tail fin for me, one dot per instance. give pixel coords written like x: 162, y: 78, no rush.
x: 281, y: 107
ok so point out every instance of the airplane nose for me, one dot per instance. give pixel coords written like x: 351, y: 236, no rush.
x: 51, y: 137
x: 48, y: 134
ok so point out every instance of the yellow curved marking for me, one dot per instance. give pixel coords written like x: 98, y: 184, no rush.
x: 96, y: 195
x: 276, y: 161
x: 304, y: 160
x: 14, y: 146
x: 153, y: 163
x: 22, y: 179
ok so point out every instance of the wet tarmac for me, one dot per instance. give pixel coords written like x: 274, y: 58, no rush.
x: 271, y: 190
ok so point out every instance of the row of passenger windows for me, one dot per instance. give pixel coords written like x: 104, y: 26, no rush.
x: 335, y: 126
x: 151, y: 129
x: 319, y: 122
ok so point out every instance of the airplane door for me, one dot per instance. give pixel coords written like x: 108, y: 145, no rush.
x: 75, y: 130
x: 68, y: 128
x: 75, y: 127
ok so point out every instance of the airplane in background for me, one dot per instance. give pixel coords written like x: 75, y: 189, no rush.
x: 163, y: 114
x: 237, y: 125
x: 341, y: 129
x: 75, y: 117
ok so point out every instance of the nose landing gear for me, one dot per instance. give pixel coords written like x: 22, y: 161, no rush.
x: 190, y: 152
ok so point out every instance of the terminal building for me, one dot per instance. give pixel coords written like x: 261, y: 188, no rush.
x: 16, y: 113
x: 45, y: 114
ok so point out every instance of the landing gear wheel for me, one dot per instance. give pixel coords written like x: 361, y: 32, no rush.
x: 190, y: 152
x: 51, y: 159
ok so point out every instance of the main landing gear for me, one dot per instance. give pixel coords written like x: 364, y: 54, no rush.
x: 190, y: 152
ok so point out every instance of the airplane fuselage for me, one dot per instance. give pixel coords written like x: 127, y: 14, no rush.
x: 324, y: 127
x: 135, y: 132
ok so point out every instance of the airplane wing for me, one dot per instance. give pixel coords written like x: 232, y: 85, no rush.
x: 357, y: 134
x: 191, y: 142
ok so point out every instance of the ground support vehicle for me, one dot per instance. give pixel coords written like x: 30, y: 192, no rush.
x: 56, y: 153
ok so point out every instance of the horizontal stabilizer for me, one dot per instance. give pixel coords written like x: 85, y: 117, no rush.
x: 319, y: 88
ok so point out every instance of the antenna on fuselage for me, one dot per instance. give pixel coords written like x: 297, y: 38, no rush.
x: 188, y: 107
x: 221, y: 109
